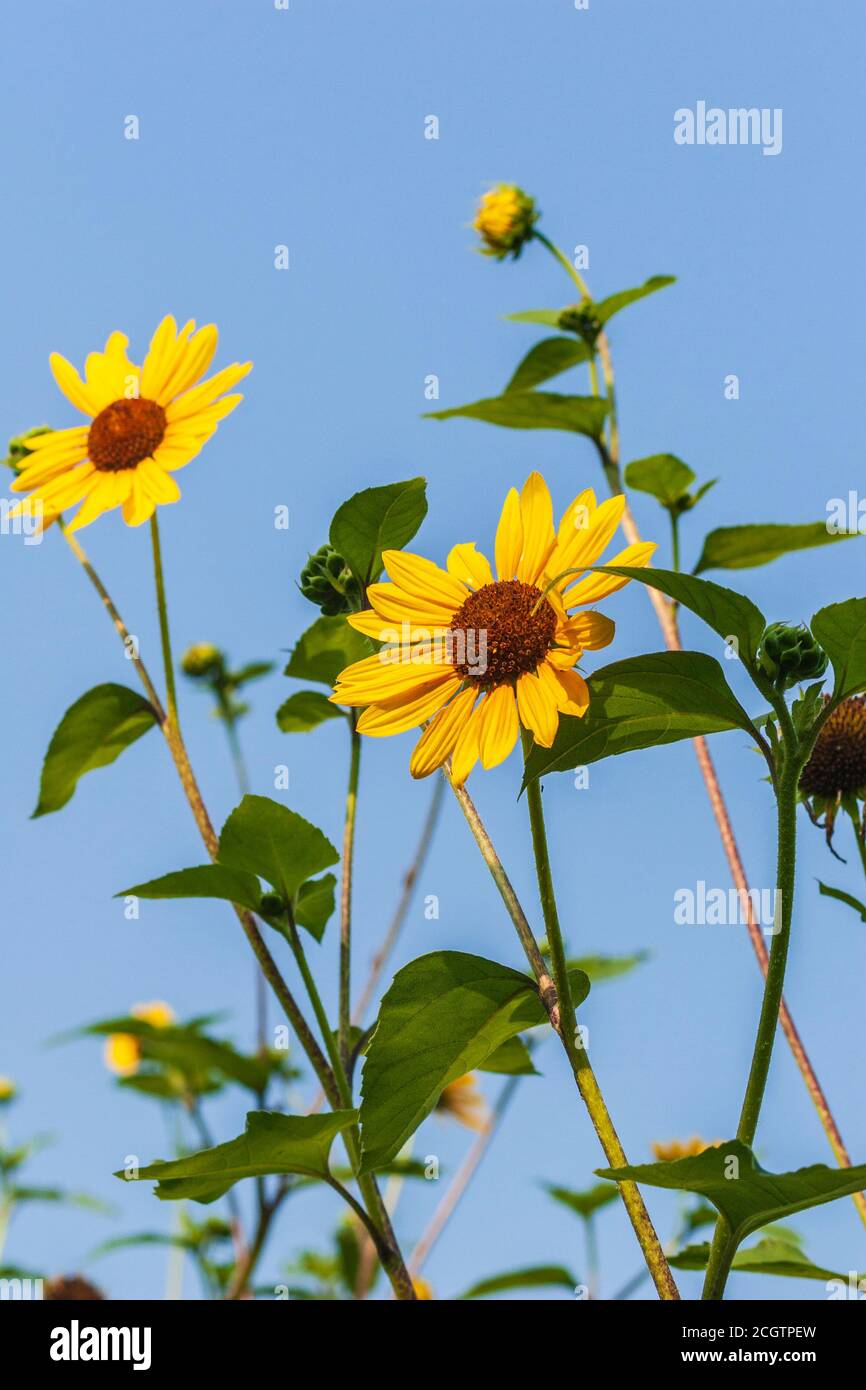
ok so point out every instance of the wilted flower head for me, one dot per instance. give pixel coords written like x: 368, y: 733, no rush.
x: 790, y: 654
x: 327, y: 581
x: 668, y: 1151
x: 201, y: 659
x: 123, y: 1050
x: 835, y: 774
x: 463, y: 1100
x: 505, y: 220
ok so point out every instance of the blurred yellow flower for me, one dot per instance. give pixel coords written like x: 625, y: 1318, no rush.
x: 7, y: 1088
x: 123, y: 1050
x: 463, y: 1100
x: 423, y: 1290
x: 670, y: 1150
x: 504, y: 220
x: 479, y: 655
x: 145, y: 423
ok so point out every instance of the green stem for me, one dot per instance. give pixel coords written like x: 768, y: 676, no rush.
x: 345, y: 1002
x: 675, y: 541
x: 724, y: 1247
x: 162, y: 606
x: 566, y: 264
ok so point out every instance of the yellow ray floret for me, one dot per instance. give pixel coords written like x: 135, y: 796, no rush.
x: 472, y: 657
x: 145, y: 423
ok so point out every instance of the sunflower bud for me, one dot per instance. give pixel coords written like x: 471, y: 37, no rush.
x: 582, y: 320
x: 201, y: 660
x: 790, y: 654
x: 505, y: 220
x: 327, y: 581
x: 8, y: 1090
x: 19, y: 450
x: 272, y: 905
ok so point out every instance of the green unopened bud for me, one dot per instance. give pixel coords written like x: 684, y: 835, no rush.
x: 505, y: 220
x: 272, y: 905
x: 582, y: 320
x: 201, y: 660
x: 327, y: 581
x: 19, y: 452
x: 790, y: 654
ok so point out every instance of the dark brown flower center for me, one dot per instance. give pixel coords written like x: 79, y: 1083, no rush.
x: 499, y: 632
x: 838, y: 761
x: 124, y: 433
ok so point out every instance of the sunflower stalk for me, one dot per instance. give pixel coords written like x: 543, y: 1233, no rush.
x: 668, y: 620
x: 395, y: 1266
x: 560, y: 1010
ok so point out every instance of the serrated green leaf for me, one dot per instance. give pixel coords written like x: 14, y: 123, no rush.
x: 265, y: 838
x: 535, y: 1277
x: 92, y: 733
x: 848, y: 898
x: 512, y: 1058
x: 841, y: 630
x: 314, y: 904
x: 547, y: 359
x: 325, y: 649
x: 586, y: 1203
x: 443, y: 1016
x: 203, y: 881
x: 746, y: 547
x: 770, y: 1256
x: 305, y: 710
x: 747, y: 1195
x: 270, y: 1143
x: 724, y: 610
x: 639, y: 703
x: 663, y: 476
x: 534, y: 410
x: 377, y: 519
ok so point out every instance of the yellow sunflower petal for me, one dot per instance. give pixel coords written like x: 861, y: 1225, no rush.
x: 465, y: 754
x: 157, y: 483
x: 575, y: 690
x: 439, y: 738
x: 177, y: 452
x: 536, y: 512
x: 469, y: 566
x: 422, y: 579
x: 509, y: 537
x: 110, y: 490
x: 194, y: 402
x: 576, y: 516
x: 394, y: 603
x: 191, y: 363
x: 73, y: 388
x: 499, y: 726
x: 597, y: 586
x: 585, y: 546
x: 591, y: 630
x: 396, y: 717
x: 110, y: 374
x: 372, y: 624
x: 537, y: 709
x: 374, y: 681
x: 50, y: 463
x: 55, y: 439
x: 139, y: 505
x: 162, y: 358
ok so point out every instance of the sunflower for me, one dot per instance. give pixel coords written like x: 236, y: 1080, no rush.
x: 670, y: 1150
x: 123, y: 1050
x: 478, y: 656
x: 145, y: 423
x: 464, y: 1102
x: 834, y: 778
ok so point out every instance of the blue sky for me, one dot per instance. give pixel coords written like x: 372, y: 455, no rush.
x: 261, y: 127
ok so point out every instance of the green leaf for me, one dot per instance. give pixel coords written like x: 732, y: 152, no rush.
x: 746, y: 547
x: 92, y: 733
x: 107, y: 1247
x: 746, y: 1194
x: 271, y: 1143
x: 535, y: 1277
x: 663, y: 476
x: 549, y: 317
x: 848, y: 898
x: 586, y: 1203
x: 253, y: 671
x: 19, y: 1195
x: 377, y: 519
x: 325, y: 649
x: 314, y: 904
x: 189, y: 1051
x: 606, y: 308
x: 601, y: 968
x: 841, y: 630
x: 548, y: 358
x: 724, y: 610
x: 262, y: 837
x: 512, y: 1058
x: 306, y: 710
x: 443, y: 1016
x: 534, y: 410
x: 770, y: 1256
x: 640, y: 703
x: 204, y: 881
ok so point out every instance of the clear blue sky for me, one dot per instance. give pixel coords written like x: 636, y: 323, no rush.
x: 306, y: 127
